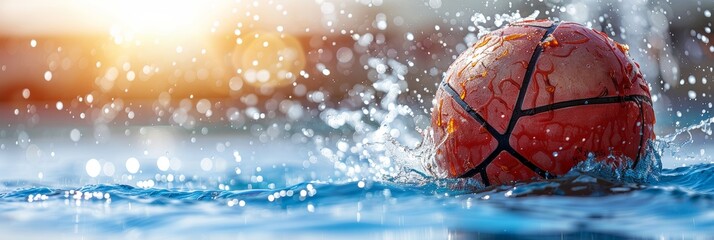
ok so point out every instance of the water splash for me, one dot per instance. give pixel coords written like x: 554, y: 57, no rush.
x: 646, y: 170
x: 486, y: 24
x: 670, y: 141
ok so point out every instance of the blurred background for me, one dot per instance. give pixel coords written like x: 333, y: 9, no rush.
x: 199, y: 86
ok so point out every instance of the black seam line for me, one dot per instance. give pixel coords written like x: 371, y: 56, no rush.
x: 585, y: 102
x: 457, y: 98
x: 481, y: 168
x: 528, y: 163
x: 484, y: 178
x: 642, y: 135
x: 637, y: 99
x: 503, y: 139
x: 517, y: 112
x: 527, y: 79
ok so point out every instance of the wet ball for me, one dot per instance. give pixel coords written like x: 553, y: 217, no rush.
x: 534, y: 98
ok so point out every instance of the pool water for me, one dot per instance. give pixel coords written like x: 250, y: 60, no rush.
x: 339, y: 147
x: 593, y: 201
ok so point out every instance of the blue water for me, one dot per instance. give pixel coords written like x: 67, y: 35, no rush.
x: 593, y: 201
x: 337, y: 154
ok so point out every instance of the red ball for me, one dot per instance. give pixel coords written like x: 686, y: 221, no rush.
x: 532, y: 99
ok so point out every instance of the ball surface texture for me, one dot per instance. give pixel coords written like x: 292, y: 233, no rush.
x: 534, y: 98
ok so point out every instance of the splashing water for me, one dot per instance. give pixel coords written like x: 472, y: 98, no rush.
x: 180, y: 139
